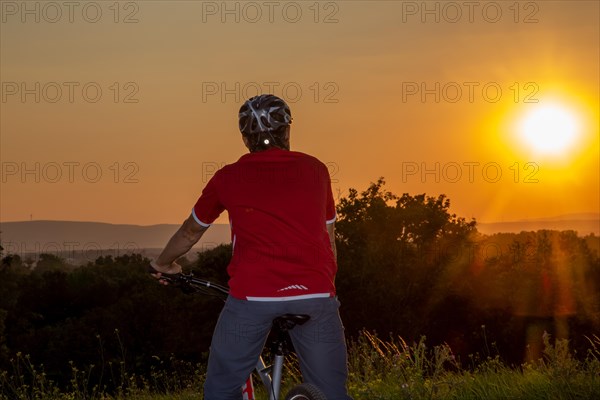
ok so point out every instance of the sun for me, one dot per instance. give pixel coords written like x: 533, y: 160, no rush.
x: 549, y: 129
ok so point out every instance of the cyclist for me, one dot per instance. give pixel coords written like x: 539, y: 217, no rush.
x: 282, y: 215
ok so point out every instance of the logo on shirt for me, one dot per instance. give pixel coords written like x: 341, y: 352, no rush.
x: 292, y: 287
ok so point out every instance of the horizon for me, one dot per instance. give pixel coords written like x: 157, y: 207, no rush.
x: 585, y: 215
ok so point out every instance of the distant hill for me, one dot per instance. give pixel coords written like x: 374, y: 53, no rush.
x: 583, y: 224
x: 64, y: 237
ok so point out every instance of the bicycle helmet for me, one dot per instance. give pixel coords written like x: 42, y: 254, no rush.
x: 265, y: 113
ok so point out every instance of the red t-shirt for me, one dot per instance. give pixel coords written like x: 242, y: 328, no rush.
x: 279, y: 203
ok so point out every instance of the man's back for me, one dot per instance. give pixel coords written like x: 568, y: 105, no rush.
x: 279, y: 203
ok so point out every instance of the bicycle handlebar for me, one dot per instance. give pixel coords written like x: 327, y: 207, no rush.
x: 190, y: 282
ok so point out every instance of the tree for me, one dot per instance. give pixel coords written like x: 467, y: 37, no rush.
x: 212, y: 263
x: 50, y: 262
x: 398, y: 257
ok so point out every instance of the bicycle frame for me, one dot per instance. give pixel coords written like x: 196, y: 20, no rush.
x: 270, y: 377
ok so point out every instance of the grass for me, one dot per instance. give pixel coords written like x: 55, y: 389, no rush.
x: 379, y: 369
x: 394, y: 370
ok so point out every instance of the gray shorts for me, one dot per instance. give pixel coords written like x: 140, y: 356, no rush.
x: 241, y: 333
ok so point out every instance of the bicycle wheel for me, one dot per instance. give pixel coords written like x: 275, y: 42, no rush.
x: 305, y: 391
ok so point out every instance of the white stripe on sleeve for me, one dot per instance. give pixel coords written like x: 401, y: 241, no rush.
x: 204, y: 224
x: 331, y: 221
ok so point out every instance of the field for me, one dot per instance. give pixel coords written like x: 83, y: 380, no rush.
x: 379, y: 369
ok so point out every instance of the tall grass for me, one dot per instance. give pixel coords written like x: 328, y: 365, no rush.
x: 171, y: 378
x: 379, y: 369
x: 392, y: 369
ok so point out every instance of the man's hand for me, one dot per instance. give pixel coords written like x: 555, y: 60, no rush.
x: 167, y: 270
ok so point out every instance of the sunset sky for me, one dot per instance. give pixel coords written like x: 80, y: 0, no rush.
x: 494, y: 104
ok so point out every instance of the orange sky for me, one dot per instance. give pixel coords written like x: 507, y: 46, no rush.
x: 172, y: 76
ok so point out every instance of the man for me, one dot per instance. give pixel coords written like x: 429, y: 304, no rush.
x: 282, y: 215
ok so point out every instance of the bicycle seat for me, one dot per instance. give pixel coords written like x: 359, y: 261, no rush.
x: 289, y: 321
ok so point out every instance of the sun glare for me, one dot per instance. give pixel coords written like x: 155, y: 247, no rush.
x: 550, y: 129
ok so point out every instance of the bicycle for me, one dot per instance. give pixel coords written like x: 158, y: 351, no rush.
x: 270, y: 375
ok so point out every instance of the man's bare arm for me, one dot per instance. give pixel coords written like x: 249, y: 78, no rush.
x: 331, y: 232
x: 182, y: 241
